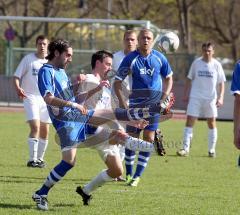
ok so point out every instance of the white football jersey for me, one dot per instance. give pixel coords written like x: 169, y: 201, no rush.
x: 27, y: 72
x: 101, y: 99
x: 205, y: 77
x: 117, y: 60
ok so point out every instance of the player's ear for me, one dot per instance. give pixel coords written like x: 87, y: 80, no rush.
x: 56, y: 53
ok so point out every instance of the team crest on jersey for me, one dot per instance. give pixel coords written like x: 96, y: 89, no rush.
x: 145, y: 71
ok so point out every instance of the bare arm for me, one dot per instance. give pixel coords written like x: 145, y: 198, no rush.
x: 117, y: 85
x: 221, y: 89
x: 168, y: 83
x: 20, y: 92
x: 54, y: 101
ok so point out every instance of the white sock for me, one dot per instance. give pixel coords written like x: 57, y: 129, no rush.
x: 96, y: 182
x: 187, y: 137
x: 42, y: 146
x: 212, y: 139
x: 33, y: 147
x: 136, y: 144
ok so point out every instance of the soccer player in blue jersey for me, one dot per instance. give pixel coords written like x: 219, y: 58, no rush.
x: 148, y: 69
x: 73, y: 121
x: 235, y: 90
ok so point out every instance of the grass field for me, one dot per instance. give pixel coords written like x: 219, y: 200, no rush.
x: 170, y: 185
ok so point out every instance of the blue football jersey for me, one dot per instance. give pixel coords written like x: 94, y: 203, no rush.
x: 235, y: 86
x: 147, y: 73
x: 69, y: 122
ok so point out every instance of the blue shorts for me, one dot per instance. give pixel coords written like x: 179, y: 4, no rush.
x: 74, y: 131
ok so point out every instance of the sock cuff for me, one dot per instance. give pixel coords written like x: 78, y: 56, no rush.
x: 188, y: 129
x: 121, y: 114
x: 43, y: 140
x: 105, y: 176
x: 33, y: 139
x: 212, y: 132
x: 64, y: 166
x: 212, y: 129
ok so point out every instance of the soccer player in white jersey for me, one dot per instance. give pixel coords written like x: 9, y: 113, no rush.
x: 235, y: 90
x: 101, y: 99
x: 129, y: 44
x: 148, y: 69
x: 25, y: 82
x: 73, y: 122
x: 205, y: 76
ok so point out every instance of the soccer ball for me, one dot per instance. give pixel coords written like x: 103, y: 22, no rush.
x: 168, y: 42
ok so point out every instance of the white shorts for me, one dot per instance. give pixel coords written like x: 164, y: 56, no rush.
x: 35, y: 108
x: 99, y: 141
x: 106, y: 149
x: 202, y: 108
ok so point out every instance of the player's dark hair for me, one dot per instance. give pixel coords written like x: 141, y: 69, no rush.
x: 41, y: 37
x: 59, y: 45
x: 207, y: 45
x: 100, y: 55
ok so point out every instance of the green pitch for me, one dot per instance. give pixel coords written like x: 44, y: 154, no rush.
x: 170, y: 185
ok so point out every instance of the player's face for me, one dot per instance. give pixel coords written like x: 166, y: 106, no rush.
x: 130, y: 42
x: 42, y: 47
x: 145, y: 40
x: 64, y: 59
x: 105, y: 67
x: 207, y: 53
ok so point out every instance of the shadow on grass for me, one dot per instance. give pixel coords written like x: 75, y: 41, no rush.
x: 32, y: 207
x: 21, y: 207
x: 63, y: 205
x: 22, y: 179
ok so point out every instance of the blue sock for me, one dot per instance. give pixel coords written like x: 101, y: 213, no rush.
x: 143, y: 158
x: 133, y: 113
x: 54, y: 176
x: 129, y: 161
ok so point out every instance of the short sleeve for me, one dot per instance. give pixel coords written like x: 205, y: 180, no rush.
x: 21, y: 68
x: 45, y: 81
x: 123, y: 69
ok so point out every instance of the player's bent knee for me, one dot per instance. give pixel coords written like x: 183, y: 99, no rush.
x: 116, y: 172
x: 114, y: 164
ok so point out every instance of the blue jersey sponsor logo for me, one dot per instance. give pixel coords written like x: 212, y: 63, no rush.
x: 145, y: 71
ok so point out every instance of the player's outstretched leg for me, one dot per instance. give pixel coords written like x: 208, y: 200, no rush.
x: 102, y: 116
x: 132, y: 143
